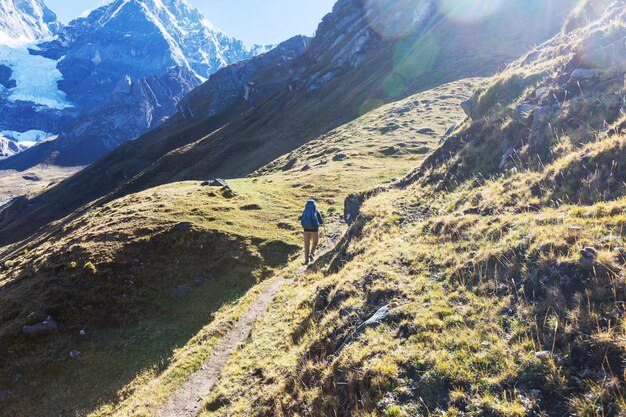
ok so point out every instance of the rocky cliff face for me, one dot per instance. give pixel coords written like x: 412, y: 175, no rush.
x: 248, y: 82
x: 9, y: 147
x: 23, y: 21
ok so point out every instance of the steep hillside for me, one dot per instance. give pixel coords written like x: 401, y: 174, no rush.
x: 497, y: 269
x: 117, y: 270
x: 359, y: 59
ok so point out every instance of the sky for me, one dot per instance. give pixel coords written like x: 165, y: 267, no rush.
x: 252, y: 21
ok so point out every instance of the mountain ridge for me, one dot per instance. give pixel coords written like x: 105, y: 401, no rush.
x: 121, y: 40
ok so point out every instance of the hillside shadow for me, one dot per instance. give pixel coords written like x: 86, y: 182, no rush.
x: 132, y: 317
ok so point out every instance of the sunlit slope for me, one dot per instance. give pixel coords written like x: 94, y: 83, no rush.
x: 363, y: 55
x: 501, y: 261
x: 112, y: 268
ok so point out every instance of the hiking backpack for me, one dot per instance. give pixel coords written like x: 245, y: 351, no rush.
x: 309, y: 216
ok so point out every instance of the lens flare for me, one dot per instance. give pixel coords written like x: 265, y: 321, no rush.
x: 399, y: 18
x: 413, y: 58
x: 469, y: 11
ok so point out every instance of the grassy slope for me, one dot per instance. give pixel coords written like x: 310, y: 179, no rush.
x: 393, y: 69
x: 498, y: 311
x: 139, y: 256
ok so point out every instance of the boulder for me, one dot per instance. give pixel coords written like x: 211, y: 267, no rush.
x: 469, y: 106
x: 542, y: 116
x: 31, y: 177
x: 49, y: 325
x: 74, y: 354
x: 524, y: 113
x: 586, y: 73
x: 218, y: 182
x: 227, y: 192
x: 426, y: 131
x: 589, y: 253
x: 351, y: 208
x: 183, y: 227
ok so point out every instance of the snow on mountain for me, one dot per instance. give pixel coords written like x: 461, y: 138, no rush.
x: 189, y: 38
x: 24, y: 21
x: 31, y: 78
x: 110, y: 75
x: 9, y: 147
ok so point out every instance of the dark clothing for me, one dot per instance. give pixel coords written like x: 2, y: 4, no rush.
x: 320, y: 220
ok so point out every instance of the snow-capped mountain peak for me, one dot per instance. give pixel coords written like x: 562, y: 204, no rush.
x: 25, y: 21
x: 193, y: 41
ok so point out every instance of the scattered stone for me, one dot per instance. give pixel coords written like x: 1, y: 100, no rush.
x: 542, y: 116
x: 390, y: 151
x: 290, y: 164
x: 227, y: 192
x: 574, y: 230
x: 218, y: 182
x: 82, y: 333
x: 5, y: 395
x: 389, y: 128
x: 340, y: 157
x: 426, y: 131
x: 250, y: 207
x: 74, y: 354
x: 286, y: 226
x: 47, y: 326
x: 524, y: 112
x: 374, y: 321
x: 543, y: 355
x: 180, y: 292
x: 589, y: 253
x: 183, y: 227
x: 31, y: 177
x: 586, y: 73
x: 305, y: 168
x: 469, y: 107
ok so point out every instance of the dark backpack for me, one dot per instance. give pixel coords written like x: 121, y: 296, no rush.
x: 309, y: 216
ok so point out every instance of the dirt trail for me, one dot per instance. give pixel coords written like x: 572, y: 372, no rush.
x: 187, y: 400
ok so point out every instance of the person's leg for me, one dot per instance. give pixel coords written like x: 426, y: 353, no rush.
x: 315, y: 237
x: 307, y: 246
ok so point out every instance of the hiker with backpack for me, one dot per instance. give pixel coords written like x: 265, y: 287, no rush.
x: 311, y: 220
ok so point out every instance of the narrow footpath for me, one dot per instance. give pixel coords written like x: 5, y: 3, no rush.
x: 187, y: 400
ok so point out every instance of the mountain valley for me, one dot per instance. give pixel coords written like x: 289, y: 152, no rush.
x: 470, y: 165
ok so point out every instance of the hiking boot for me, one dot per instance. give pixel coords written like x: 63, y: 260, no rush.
x: 311, y: 258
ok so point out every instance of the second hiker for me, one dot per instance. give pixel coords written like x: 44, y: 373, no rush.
x: 311, y: 220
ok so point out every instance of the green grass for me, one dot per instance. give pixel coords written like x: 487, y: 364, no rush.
x: 111, y: 267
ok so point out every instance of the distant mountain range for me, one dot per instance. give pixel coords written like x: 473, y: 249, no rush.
x: 249, y: 113
x: 104, y: 78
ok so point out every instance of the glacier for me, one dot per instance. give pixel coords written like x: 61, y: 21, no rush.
x: 36, y: 77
